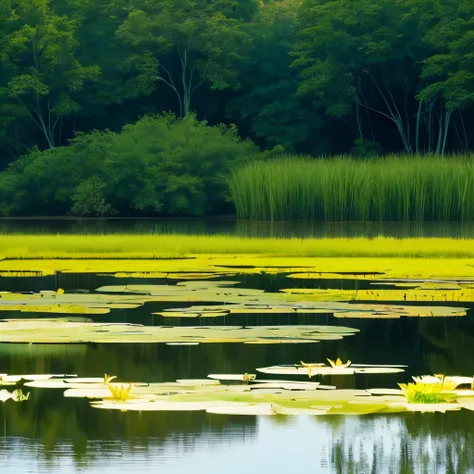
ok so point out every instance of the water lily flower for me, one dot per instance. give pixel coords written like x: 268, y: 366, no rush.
x: 338, y: 363
x: 249, y: 377
x: 310, y: 366
x: 121, y: 393
x: 108, y: 378
x: 446, y: 383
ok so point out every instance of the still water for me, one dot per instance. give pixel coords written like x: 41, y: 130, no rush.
x: 52, y: 434
x: 232, y: 226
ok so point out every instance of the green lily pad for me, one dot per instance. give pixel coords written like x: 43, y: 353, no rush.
x: 466, y: 402
x: 316, y: 370
x: 38, y: 331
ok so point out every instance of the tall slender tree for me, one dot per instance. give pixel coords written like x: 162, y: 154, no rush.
x: 43, y: 75
x: 183, y: 44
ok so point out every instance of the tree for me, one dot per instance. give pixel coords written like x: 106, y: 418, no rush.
x: 268, y: 99
x: 43, y: 75
x: 360, y: 55
x: 449, y: 70
x: 185, y: 43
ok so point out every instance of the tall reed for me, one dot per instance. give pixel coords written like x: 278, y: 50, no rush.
x: 391, y: 188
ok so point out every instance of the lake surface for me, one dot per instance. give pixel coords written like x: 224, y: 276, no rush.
x: 232, y: 226
x: 52, y: 434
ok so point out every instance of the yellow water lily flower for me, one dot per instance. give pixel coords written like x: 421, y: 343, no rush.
x: 108, y: 378
x: 445, y: 383
x: 310, y: 366
x: 420, y: 392
x: 249, y: 377
x: 338, y: 363
x: 121, y: 393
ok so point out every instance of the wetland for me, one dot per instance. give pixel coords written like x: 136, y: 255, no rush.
x: 145, y: 349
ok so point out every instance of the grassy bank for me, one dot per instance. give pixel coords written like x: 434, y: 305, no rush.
x: 393, y: 188
x: 165, y: 246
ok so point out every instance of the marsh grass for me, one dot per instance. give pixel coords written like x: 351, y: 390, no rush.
x: 178, y: 246
x: 391, y: 188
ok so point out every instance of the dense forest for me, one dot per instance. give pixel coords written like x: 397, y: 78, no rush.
x: 141, y: 106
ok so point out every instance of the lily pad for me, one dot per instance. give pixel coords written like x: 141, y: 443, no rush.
x: 466, y: 402
x: 38, y: 331
x: 285, y: 410
x: 318, y: 370
x: 232, y: 377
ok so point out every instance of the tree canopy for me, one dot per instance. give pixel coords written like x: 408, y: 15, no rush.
x: 305, y: 76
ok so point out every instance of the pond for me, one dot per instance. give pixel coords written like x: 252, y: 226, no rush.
x: 50, y: 433
x: 232, y: 226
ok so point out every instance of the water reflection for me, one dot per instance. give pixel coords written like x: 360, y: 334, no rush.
x: 66, y: 440
x: 52, y: 434
x: 232, y: 226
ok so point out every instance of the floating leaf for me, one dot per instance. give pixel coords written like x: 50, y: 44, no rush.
x: 39, y: 331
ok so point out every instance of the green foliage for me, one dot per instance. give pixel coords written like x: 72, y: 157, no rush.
x: 89, y: 198
x: 394, y: 188
x: 366, y: 148
x: 42, y: 74
x: 422, y: 393
x: 158, y: 165
x: 313, y: 76
x: 201, y: 39
x: 268, y: 98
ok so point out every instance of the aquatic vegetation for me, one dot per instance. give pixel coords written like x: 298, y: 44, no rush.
x: 338, y: 363
x: 445, y: 383
x: 335, y: 368
x: 41, y: 331
x: 251, y: 396
x: 109, y: 378
x: 176, y: 253
x: 249, y: 377
x: 233, y: 377
x: 419, y: 293
x: 224, y: 298
x: 310, y: 367
x: 6, y: 379
x: 420, y: 392
x: 436, y: 389
x: 336, y: 189
x: 383, y: 269
x: 17, y: 395
x: 120, y: 392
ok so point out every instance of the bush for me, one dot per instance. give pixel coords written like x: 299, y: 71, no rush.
x: 89, y: 199
x: 159, y: 165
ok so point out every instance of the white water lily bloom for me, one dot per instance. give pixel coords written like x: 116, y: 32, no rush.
x: 448, y: 383
x: 338, y: 363
x: 427, y: 379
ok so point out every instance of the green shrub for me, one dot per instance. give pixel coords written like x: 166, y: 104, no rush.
x: 89, y: 199
x: 159, y: 165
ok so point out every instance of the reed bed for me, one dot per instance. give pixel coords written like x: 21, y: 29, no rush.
x: 391, y: 188
x: 172, y: 246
